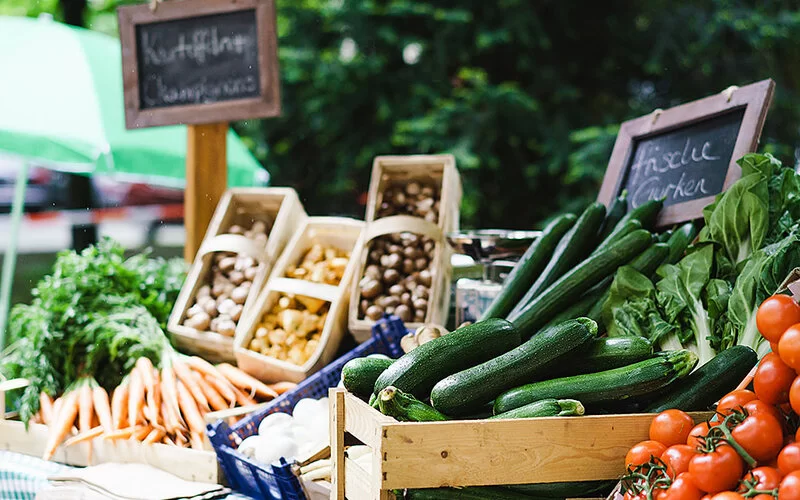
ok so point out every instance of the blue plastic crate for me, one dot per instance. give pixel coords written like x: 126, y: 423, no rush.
x: 277, y: 481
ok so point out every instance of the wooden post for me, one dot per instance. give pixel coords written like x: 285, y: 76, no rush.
x: 206, y: 180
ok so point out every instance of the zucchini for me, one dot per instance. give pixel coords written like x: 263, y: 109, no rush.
x: 530, y: 265
x: 618, y: 233
x: 573, y: 247
x: 405, y: 407
x: 582, y: 307
x: 566, y: 489
x: 359, y: 374
x: 615, y: 214
x: 418, y: 371
x: 467, y: 493
x: 706, y: 385
x: 620, y: 383
x: 546, y: 408
x: 679, y: 241
x: 466, y: 391
x: 646, y: 213
x: 665, y: 236
x: 608, y: 353
x: 570, y: 286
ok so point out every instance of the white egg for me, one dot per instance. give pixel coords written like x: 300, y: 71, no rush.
x: 249, y: 446
x: 305, y: 410
x: 275, y: 421
x: 270, y: 450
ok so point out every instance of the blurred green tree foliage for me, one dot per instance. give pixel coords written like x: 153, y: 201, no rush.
x: 527, y: 95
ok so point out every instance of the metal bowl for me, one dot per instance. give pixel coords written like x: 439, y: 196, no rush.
x: 492, y: 244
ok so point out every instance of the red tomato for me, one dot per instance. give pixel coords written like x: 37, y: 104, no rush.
x: 641, y: 453
x: 775, y: 315
x: 735, y: 400
x: 773, y: 379
x: 790, y: 487
x: 774, y: 347
x: 677, y: 458
x: 727, y: 495
x: 789, y: 458
x: 789, y: 346
x: 683, y: 488
x: 760, y: 435
x: 763, y: 496
x: 758, y: 407
x: 794, y: 395
x: 767, y: 478
x: 698, y: 432
x: 671, y: 427
x: 719, y: 470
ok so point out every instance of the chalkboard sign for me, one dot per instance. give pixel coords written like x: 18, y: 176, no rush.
x: 203, y: 61
x: 687, y: 154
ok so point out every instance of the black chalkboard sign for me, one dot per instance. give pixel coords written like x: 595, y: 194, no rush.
x: 685, y: 164
x: 202, y: 61
x: 687, y: 154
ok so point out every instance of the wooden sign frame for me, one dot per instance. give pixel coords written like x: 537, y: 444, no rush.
x: 754, y: 98
x: 267, y: 105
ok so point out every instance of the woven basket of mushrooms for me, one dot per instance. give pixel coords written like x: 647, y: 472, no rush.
x: 405, y: 265
x: 300, y: 318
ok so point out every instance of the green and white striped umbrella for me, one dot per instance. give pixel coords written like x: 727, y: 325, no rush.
x: 61, y: 106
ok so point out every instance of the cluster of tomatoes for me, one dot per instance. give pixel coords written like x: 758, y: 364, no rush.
x: 750, y: 449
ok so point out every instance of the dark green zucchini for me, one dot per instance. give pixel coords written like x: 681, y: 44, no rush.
x: 638, y: 379
x: 646, y: 213
x: 566, y: 490
x: 576, y: 244
x: 405, y: 407
x: 700, y: 390
x: 679, y: 241
x: 615, y: 214
x: 573, y: 284
x: 606, y: 354
x: 665, y: 236
x: 467, y: 493
x: 359, y: 374
x: 546, y: 408
x: 418, y: 371
x: 617, y: 234
x: 465, y: 392
x: 530, y: 265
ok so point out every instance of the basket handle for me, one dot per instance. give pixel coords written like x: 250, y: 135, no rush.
x: 402, y: 223
x: 328, y: 293
x: 235, y: 243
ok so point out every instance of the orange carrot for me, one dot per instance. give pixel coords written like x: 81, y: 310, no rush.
x: 244, y: 399
x: 169, y: 392
x: 119, y: 406
x: 185, y: 376
x: 120, y: 433
x: 199, y: 364
x: 189, y: 409
x: 214, y: 399
x: 245, y: 382
x: 135, y: 397
x: 223, y: 387
x: 145, y: 369
x: 196, y: 440
x: 85, y: 436
x: 86, y: 412
x: 281, y: 387
x: 62, y: 423
x: 141, y: 432
x: 157, y: 396
x: 46, y: 408
x: 155, y: 436
x: 102, y: 408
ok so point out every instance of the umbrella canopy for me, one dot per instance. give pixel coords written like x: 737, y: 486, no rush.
x: 61, y: 105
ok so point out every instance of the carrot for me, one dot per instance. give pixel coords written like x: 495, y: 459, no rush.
x: 155, y: 436
x: 245, y: 382
x: 86, y: 412
x: 223, y: 387
x: 119, y: 406
x: 120, y: 433
x: 135, y: 397
x: 185, y: 376
x: 216, y: 401
x: 243, y: 399
x: 200, y: 365
x: 102, y: 408
x: 196, y: 440
x: 281, y: 387
x: 141, y: 432
x: 62, y: 423
x: 46, y: 408
x: 189, y: 409
x: 145, y: 369
x: 169, y: 392
x: 85, y: 436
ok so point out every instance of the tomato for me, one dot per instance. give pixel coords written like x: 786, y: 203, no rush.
x: 634, y: 496
x: 773, y: 379
x: 761, y: 435
x: 683, y: 488
x: 719, y: 470
x: 727, y: 495
x: 672, y: 427
x: 758, y: 407
x: 789, y: 346
x: 790, y: 487
x: 767, y: 478
x: 775, y: 315
x: 735, y: 400
x: 789, y: 458
x: 641, y: 453
x: 794, y: 395
x: 698, y: 431
x: 774, y: 347
x: 677, y: 458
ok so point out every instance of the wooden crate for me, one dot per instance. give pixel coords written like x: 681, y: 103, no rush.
x: 188, y: 464
x: 281, y: 209
x: 389, y: 170
x: 476, y: 452
x: 342, y: 233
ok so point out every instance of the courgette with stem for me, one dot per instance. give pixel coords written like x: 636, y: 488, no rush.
x: 530, y: 265
x: 573, y: 247
x: 406, y: 408
x: 608, y: 353
x: 464, y: 392
x: 545, y: 408
x: 359, y: 374
x: 570, y: 286
x: 638, y: 379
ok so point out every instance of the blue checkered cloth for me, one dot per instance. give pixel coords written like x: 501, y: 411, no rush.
x: 21, y: 476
